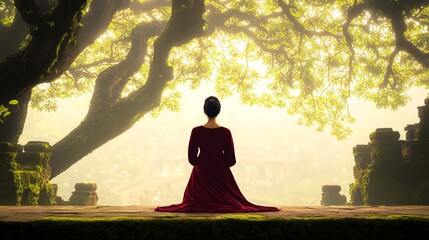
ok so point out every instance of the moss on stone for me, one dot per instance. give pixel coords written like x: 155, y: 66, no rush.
x: 37, y: 146
x: 7, y: 161
x: 239, y: 226
x: 395, y: 175
x: 25, y: 176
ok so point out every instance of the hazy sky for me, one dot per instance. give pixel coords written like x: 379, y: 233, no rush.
x: 278, y: 161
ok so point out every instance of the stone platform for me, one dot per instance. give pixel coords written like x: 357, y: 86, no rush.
x: 141, y: 222
x: 31, y: 213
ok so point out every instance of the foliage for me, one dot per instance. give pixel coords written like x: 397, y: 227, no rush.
x: 274, y: 53
x: 6, y: 111
x: 6, y: 13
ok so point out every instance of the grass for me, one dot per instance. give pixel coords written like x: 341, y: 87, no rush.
x: 227, y: 226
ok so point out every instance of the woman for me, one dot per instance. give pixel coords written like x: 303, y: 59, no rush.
x: 211, y: 186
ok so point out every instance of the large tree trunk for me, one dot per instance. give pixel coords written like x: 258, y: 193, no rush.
x: 12, y: 37
x: 109, y: 115
x: 12, y: 126
x: 20, y: 72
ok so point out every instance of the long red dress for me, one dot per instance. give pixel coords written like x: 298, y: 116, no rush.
x: 211, y: 186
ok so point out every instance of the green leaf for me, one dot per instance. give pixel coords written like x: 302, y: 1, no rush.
x: 3, y: 109
x: 13, y: 102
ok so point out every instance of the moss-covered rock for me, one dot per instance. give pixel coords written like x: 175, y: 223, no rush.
x: 389, y: 171
x: 24, y: 175
x: 384, y: 135
x: 83, y: 198
x: 92, y: 187
x: 48, y: 195
x: 37, y: 146
x: 7, y: 161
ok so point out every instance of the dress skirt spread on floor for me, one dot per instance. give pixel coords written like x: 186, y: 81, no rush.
x: 211, y: 186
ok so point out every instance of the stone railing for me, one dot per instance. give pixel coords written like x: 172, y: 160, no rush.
x: 25, y: 174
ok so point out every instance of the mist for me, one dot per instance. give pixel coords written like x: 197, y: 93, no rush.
x: 278, y: 161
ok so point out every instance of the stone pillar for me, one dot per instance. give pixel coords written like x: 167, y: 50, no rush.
x: 381, y: 182
x: 10, y: 190
x: 35, y: 174
x: 84, y: 195
x: 422, y: 130
x: 36, y: 156
x: 331, y: 196
x: 362, y: 156
x: 410, y: 131
x: 385, y: 146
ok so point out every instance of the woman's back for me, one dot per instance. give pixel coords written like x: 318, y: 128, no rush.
x: 211, y: 186
x: 211, y: 147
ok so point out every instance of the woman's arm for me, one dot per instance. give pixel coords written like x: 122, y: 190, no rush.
x: 229, y: 150
x: 193, y: 148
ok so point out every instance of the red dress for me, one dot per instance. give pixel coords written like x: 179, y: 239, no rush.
x: 211, y: 186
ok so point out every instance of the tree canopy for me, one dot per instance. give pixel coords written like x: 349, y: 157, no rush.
x: 308, y: 57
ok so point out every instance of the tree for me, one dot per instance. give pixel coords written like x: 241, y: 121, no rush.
x: 274, y: 53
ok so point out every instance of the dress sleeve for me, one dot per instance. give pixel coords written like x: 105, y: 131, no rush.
x: 193, y: 148
x: 229, y: 150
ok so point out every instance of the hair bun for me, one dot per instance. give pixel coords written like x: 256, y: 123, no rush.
x: 212, y: 106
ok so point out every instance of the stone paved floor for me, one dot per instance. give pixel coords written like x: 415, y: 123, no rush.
x: 29, y: 213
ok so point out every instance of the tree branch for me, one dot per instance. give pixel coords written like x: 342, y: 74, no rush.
x: 98, y: 19
x: 353, y: 12
x: 301, y: 28
x: 111, y: 82
x: 186, y: 23
x: 95, y: 23
x: 389, y: 69
x: 402, y: 43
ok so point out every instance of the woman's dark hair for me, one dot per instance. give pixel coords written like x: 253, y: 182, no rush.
x: 211, y: 106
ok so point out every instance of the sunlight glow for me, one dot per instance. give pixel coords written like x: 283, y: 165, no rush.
x: 107, y: 36
x: 336, y: 13
x: 277, y: 159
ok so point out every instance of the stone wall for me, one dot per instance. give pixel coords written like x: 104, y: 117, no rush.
x: 25, y: 178
x: 25, y: 173
x: 390, y: 171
